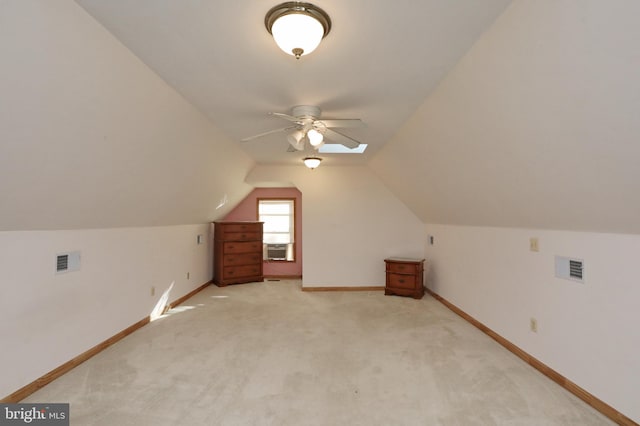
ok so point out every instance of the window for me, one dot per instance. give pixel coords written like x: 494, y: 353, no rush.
x: 279, y: 225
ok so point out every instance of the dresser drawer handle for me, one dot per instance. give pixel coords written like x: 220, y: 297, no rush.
x: 401, y: 281
x: 244, y: 236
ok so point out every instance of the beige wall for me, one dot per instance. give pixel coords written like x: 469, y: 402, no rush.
x: 350, y: 221
x: 46, y: 319
x: 536, y: 126
x: 588, y: 331
x: 535, y: 133
x: 91, y: 138
x: 247, y: 209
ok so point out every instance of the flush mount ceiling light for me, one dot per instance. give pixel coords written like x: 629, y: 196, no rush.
x: 297, y: 27
x: 312, y: 162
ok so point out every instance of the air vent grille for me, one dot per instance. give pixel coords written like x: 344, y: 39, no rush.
x: 67, y: 262
x: 62, y: 263
x: 575, y: 269
x: 570, y: 268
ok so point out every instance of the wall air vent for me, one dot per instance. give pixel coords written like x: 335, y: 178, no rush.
x: 575, y: 269
x: 570, y: 269
x: 62, y: 263
x: 67, y: 262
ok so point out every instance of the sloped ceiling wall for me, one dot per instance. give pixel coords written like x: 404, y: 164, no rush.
x: 90, y: 137
x: 538, y: 126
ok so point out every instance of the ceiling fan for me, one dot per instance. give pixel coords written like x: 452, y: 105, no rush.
x: 307, y: 125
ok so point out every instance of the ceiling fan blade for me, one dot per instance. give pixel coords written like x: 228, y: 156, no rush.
x: 286, y: 116
x: 250, y: 138
x: 348, y: 122
x: 341, y: 139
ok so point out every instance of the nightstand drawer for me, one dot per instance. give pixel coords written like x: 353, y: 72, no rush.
x: 401, y: 281
x: 404, y: 268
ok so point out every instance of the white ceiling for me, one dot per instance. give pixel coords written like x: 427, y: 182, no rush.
x: 379, y: 62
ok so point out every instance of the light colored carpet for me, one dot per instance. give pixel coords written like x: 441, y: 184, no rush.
x: 270, y: 354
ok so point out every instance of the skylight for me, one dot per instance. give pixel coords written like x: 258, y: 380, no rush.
x: 336, y: 148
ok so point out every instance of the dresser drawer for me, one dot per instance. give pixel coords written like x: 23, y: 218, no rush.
x: 401, y: 281
x: 242, y: 247
x: 403, y: 268
x: 242, y: 259
x: 240, y: 227
x: 241, y: 236
x: 231, y: 272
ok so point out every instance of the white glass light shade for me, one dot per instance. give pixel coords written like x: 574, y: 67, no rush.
x: 312, y: 162
x: 296, y: 139
x: 297, y: 31
x: 315, y: 138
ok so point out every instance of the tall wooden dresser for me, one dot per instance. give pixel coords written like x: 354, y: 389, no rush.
x: 404, y: 277
x: 237, y: 252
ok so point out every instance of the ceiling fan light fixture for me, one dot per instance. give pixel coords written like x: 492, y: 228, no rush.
x: 312, y: 162
x: 297, y: 27
x: 315, y: 138
x: 295, y: 137
x: 299, y: 146
x: 296, y: 140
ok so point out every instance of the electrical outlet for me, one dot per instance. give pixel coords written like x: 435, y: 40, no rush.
x: 153, y: 291
x: 533, y: 244
x: 188, y: 274
x: 533, y: 325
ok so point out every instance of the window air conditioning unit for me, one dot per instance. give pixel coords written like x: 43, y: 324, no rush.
x: 276, y: 251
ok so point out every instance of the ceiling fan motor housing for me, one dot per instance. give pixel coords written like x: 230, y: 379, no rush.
x: 306, y: 111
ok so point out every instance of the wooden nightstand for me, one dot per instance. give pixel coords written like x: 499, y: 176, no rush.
x: 404, y: 277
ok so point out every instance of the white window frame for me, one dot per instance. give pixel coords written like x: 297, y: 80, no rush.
x: 292, y: 224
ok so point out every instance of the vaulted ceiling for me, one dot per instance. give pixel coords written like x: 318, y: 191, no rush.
x: 379, y: 62
x: 489, y: 113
